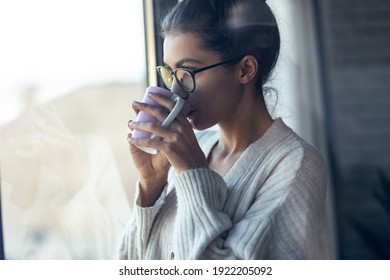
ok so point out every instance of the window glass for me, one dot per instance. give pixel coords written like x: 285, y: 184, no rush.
x: 283, y: 101
x: 296, y: 79
x: 69, y: 71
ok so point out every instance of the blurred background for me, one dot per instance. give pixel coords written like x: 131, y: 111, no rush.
x: 69, y: 71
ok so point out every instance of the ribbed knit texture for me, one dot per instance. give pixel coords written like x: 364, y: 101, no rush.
x: 270, y: 205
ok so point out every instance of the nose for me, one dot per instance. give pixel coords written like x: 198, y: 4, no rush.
x: 176, y: 88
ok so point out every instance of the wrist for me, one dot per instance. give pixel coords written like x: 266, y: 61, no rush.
x: 149, y: 191
x: 192, y: 166
x: 150, y: 183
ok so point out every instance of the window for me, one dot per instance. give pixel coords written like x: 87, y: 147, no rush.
x: 297, y: 80
x: 69, y: 71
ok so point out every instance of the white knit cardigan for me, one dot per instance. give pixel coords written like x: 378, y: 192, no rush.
x: 270, y: 205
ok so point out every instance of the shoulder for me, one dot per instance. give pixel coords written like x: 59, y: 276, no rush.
x: 310, y: 165
x: 292, y: 154
x: 293, y: 166
x: 303, y: 158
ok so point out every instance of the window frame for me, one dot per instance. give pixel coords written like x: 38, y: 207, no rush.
x: 154, y: 12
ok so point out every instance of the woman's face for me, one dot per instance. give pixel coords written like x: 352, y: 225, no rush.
x: 217, y: 92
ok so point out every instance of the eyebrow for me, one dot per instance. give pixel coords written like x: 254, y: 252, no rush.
x: 184, y: 60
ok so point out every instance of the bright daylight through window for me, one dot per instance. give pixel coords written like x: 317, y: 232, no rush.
x: 69, y: 70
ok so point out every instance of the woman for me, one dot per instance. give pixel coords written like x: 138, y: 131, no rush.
x: 253, y: 189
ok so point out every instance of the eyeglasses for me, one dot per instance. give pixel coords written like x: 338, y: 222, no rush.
x: 185, y: 77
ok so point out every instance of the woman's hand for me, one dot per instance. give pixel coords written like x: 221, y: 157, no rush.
x: 177, y: 145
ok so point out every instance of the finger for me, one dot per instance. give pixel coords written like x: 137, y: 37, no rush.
x: 156, y: 144
x: 135, y: 109
x: 155, y: 129
x: 128, y: 125
x: 159, y: 113
x: 162, y: 100
x: 167, y: 103
x: 132, y: 148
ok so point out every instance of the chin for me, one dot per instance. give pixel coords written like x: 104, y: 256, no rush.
x: 199, y: 125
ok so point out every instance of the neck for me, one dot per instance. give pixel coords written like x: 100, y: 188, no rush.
x: 248, y: 123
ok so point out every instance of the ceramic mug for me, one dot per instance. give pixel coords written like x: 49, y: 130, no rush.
x: 181, y: 107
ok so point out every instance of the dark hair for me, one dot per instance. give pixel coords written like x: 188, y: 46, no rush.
x: 232, y: 28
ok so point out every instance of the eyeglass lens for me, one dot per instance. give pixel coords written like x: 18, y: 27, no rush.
x: 166, y: 76
x: 183, y: 77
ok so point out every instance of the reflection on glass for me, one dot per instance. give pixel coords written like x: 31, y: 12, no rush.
x: 65, y: 170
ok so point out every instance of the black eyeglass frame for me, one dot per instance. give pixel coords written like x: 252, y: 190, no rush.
x: 192, y: 73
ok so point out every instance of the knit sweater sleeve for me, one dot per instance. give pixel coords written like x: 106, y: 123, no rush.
x: 201, y: 195
x: 137, y: 231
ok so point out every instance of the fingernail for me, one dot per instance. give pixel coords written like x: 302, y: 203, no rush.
x: 136, y: 103
x: 131, y: 124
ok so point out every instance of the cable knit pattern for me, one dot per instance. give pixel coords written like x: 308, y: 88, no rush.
x: 270, y: 205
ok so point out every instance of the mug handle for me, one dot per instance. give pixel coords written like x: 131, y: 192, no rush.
x: 173, y: 114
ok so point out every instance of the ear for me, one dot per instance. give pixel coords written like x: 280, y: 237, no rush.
x: 248, y: 69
